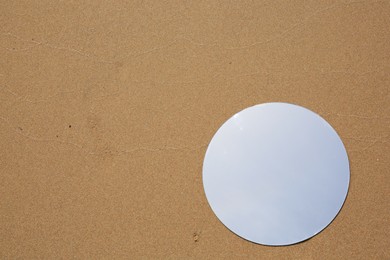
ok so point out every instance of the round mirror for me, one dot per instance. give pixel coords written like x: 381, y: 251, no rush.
x: 276, y: 174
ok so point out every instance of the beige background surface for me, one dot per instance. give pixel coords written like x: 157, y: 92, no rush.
x: 106, y: 110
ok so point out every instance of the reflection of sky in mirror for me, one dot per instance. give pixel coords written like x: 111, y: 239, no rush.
x: 276, y: 174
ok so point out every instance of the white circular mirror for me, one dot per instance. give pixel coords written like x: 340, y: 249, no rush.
x: 276, y: 174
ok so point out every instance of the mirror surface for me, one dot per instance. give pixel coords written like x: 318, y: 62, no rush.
x: 276, y: 174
